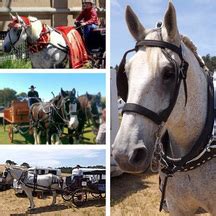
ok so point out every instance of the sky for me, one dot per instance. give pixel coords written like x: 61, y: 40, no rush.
x: 195, y: 18
x: 47, y: 83
x: 52, y: 156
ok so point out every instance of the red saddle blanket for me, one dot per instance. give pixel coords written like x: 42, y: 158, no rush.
x: 77, y: 52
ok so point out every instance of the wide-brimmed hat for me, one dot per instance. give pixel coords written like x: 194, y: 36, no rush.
x: 78, y: 166
x: 90, y: 1
x: 32, y: 87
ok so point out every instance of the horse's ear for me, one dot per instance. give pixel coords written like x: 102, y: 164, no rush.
x: 63, y: 93
x: 12, y: 16
x: 170, y: 28
x: 73, y: 91
x: 20, y: 20
x: 134, y: 25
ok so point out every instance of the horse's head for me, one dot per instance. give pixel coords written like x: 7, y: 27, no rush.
x: 151, y: 81
x: 7, y: 174
x: 69, y: 107
x: 20, y: 29
x: 95, y: 106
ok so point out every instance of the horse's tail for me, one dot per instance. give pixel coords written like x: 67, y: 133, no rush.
x: 61, y: 182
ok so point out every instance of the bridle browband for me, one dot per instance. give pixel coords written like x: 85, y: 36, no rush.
x: 181, y: 72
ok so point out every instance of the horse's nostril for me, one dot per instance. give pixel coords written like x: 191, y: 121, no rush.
x: 138, y: 156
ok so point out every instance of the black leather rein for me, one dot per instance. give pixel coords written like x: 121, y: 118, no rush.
x: 181, y: 71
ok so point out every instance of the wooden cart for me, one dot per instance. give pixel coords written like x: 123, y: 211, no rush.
x: 17, y: 115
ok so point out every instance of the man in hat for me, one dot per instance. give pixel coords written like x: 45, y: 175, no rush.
x: 87, y: 18
x: 33, y: 95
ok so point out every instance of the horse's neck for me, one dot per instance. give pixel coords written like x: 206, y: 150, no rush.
x: 186, y: 123
x: 34, y: 30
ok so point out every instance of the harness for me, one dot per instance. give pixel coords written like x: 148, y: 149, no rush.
x: 42, y: 42
x: 204, y: 148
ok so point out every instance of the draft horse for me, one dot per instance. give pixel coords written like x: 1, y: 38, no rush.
x: 31, y: 182
x: 52, y: 116
x: 168, y: 116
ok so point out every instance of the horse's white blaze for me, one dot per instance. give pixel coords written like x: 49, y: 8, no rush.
x: 73, y: 123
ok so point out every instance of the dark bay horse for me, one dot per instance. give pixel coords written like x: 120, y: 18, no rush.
x: 52, y: 116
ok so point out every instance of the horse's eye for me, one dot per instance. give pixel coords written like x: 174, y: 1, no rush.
x: 168, y: 74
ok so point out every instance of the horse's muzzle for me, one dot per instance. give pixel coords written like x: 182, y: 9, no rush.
x: 133, y: 161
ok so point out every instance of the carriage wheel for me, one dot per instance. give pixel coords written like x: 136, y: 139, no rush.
x: 66, y: 194
x: 10, y: 133
x: 79, y: 197
x: 96, y: 195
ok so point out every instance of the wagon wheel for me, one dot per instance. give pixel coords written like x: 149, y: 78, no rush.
x: 10, y: 133
x: 79, y: 197
x: 66, y: 194
x: 96, y: 195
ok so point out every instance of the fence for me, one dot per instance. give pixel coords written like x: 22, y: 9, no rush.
x: 20, y: 53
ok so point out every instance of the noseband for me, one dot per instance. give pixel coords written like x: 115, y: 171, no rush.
x: 180, y: 71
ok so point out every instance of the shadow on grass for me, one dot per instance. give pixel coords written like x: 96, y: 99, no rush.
x: 127, y: 184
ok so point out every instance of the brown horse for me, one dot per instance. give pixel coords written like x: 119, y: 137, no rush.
x: 52, y: 116
x: 90, y: 111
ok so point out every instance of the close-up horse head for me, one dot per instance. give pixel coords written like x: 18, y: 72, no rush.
x: 20, y: 29
x: 158, y: 86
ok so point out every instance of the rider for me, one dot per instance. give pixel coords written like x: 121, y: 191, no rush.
x: 88, y: 19
x: 33, y: 95
x: 101, y: 136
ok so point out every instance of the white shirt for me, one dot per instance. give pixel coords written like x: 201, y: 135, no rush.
x: 77, y: 172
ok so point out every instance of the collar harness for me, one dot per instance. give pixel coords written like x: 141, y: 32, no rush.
x: 204, y: 148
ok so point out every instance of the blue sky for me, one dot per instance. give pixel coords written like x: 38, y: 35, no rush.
x: 196, y: 19
x: 53, y: 156
x: 46, y: 83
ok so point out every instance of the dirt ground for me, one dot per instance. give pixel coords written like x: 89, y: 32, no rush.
x: 12, y: 205
x: 136, y: 195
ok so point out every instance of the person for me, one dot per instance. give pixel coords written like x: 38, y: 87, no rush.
x: 77, y: 175
x: 88, y: 18
x: 33, y: 95
x: 101, y: 136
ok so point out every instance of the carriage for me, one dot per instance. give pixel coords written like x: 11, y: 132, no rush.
x: 17, y: 115
x: 91, y: 183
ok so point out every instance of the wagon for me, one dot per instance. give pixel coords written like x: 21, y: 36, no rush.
x: 93, y: 182
x: 17, y: 115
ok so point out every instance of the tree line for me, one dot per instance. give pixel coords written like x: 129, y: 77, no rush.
x: 8, y: 94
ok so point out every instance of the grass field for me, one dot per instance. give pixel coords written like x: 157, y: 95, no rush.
x: 15, y: 64
x: 89, y: 137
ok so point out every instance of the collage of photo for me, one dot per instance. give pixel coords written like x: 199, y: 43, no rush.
x: 107, y: 108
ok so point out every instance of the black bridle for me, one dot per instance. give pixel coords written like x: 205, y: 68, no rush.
x: 181, y: 72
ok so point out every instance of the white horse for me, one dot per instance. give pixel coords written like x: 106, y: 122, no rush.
x: 48, y: 48
x: 30, y: 182
x: 169, y: 114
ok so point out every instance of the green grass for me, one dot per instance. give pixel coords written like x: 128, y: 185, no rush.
x: 15, y: 64
x: 89, y: 137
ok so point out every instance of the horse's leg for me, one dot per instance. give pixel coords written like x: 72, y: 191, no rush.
x: 35, y: 136
x: 28, y: 192
x: 54, y: 197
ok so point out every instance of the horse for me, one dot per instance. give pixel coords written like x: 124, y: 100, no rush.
x: 90, y: 111
x: 48, y: 47
x: 31, y: 182
x: 168, y: 116
x: 52, y: 116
